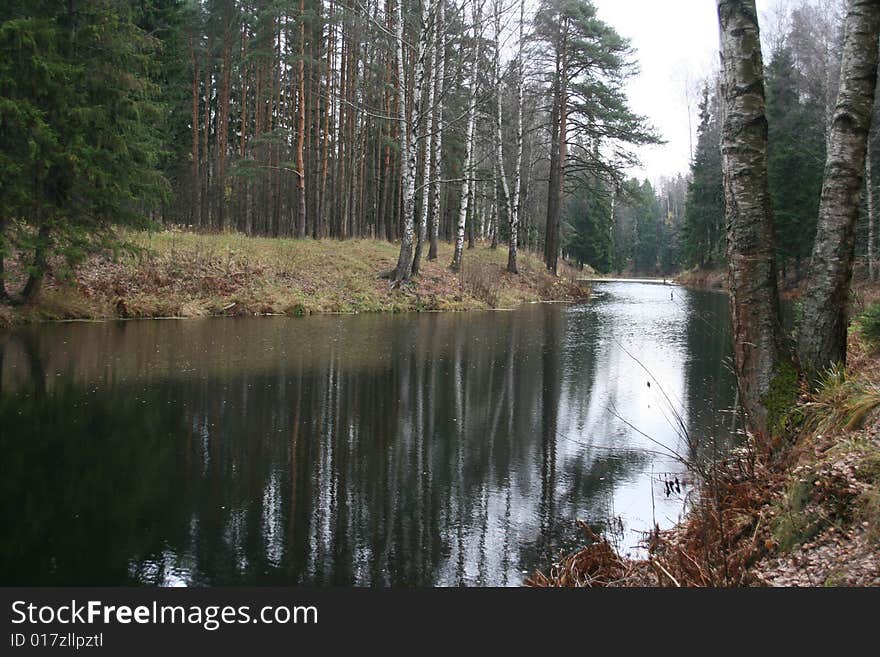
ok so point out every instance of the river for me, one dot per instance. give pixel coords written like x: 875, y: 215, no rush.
x: 375, y: 450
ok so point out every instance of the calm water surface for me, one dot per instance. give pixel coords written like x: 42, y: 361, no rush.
x: 452, y: 449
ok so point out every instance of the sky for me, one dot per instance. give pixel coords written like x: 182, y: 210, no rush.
x: 676, y: 43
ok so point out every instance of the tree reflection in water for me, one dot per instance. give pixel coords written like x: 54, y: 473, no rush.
x: 373, y: 450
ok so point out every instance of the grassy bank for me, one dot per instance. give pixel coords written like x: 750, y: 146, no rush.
x: 178, y: 274
x: 804, y: 512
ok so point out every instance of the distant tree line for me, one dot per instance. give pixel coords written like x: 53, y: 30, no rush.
x: 411, y: 121
x: 415, y: 122
x: 684, y: 226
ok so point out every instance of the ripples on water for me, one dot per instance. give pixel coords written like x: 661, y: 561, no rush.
x: 371, y: 450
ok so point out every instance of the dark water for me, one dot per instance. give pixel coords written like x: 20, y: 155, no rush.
x: 371, y: 450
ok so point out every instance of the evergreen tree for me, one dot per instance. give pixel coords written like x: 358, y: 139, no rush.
x: 79, y: 130
x: 648, y: 219
x: 703, y: 232
x: 796, y: 159
x: 587, y: 235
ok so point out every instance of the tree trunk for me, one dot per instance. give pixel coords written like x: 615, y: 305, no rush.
x: 205, y: 219
x: 754, y: 300
x: 822, y: 333
x: 437, y: 136
x: 869, y: 183
x: 409, y: 141
x: 404, y: 261
x: 4, y: 296
x: 196, y: 213
x: 469, y: 145
x: 556, y: 184
x: 503, y: 199
x: 425, y: 119
x: 34, y: 283
x: 301, y: 127
x: 223, y: 122
x: 512, y: 265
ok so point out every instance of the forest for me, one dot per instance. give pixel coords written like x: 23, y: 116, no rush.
x: 360, y: 159
x: 407, y: 123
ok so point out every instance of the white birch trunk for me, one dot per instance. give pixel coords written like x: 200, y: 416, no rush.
x: 504, y: 201
x: 425, y: 119
x: 469, y: 143
x: 512, y: 265
x: 754, y: 300
x: 437, y: 136
x: 402, y: 273
x: 822, y: 333
x: 409, y: 142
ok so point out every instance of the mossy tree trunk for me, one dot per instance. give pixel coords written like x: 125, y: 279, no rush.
x: 822, y: 334
x: 754, y: 299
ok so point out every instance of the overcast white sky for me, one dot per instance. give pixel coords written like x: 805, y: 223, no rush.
x: 676, y: 44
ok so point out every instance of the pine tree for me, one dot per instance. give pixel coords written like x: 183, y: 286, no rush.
x: 590, y: 62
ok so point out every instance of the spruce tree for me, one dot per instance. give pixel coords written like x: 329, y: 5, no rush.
x: 79, y: 130
x: 704, y: 217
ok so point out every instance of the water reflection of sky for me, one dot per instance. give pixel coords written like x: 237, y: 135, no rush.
x: 375, y: 450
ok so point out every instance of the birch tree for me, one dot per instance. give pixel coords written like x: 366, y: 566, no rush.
x: 437, y: 132
x: 754, y: 300
x: 512, y: 265
x: 409, y: 137
x: 503, y: 201
x: 476, y: 10
x: 822, y: 334
x: 428, y: 168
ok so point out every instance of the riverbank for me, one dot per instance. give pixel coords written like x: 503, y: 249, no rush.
x: 703, y: 279
x: 179, y: 274
x: 805, y: 513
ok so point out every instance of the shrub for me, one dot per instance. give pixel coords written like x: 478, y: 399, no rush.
x: 870, y: 324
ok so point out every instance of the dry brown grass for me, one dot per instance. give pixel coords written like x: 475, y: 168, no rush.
x: 180, y: 274
x: 708, y: 279
x: 818, y: 494
x: 596, y: 566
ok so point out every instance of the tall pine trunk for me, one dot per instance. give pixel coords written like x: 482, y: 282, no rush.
x: 556, y: 183
x: 301, y: 126
x: 223, y: 120
x: 196, y: 213
x: 754, y: 299
x: 822, y: 333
